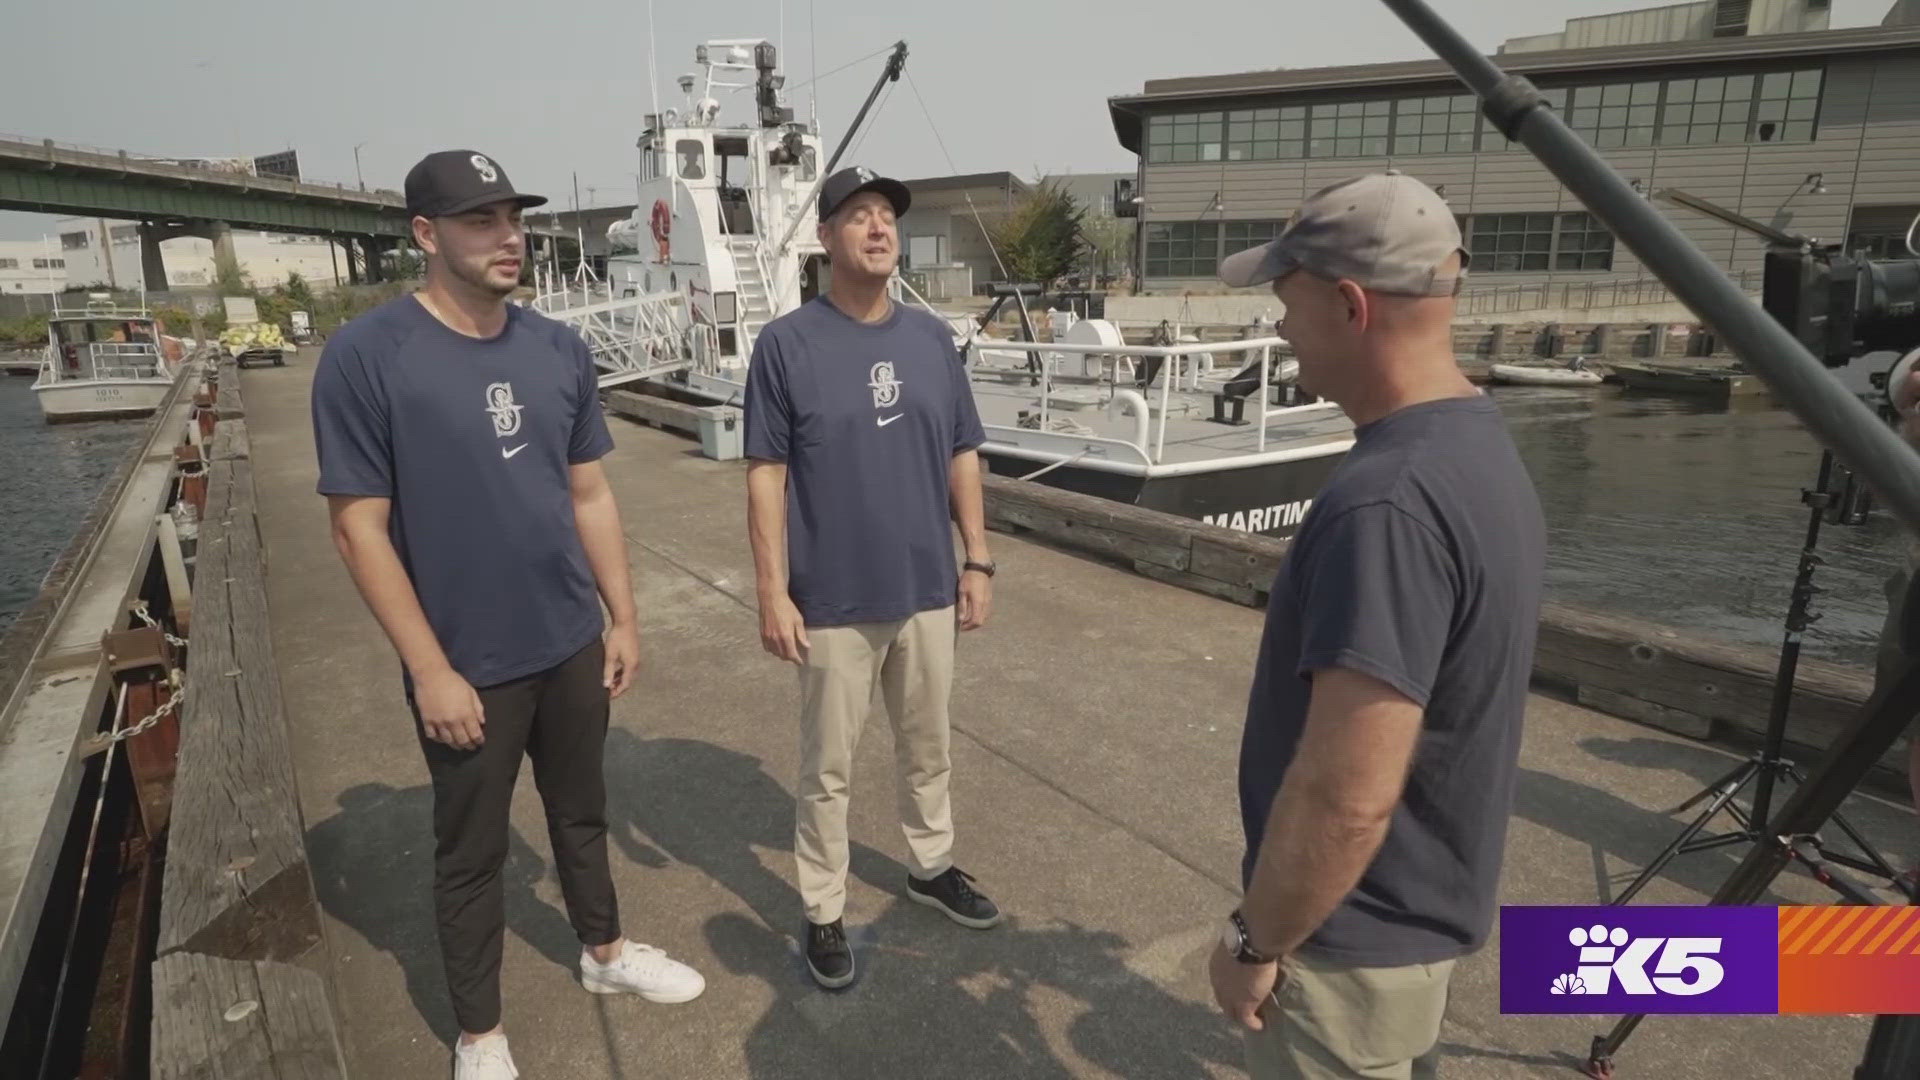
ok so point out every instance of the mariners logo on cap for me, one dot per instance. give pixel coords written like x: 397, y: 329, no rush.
x: 865, y: 174
x: 485, y: 168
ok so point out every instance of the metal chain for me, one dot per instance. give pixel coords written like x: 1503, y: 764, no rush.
x: 140, y: 612
x: 177, y: 680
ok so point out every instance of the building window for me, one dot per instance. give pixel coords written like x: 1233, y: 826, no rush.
x: 1787, y: 106
x: 1582, y: 244
x: 1349, y: 129
x: 1435, y: 125
x: 1538, y: 241
x: 123, y: 233
x: 1185, y: 138
x: 1266, y: 134
x: 1700, y: 112
x: 1779, y: 106
x: 9, y: 264
x: 1193, y: 249
x: 74, y: 240
x: 49, y: 264
x: 1616, y: 115
x: 1241, y: 235
x: 1183, y: 249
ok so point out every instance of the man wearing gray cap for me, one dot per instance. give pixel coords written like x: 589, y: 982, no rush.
x: 1377, y: 764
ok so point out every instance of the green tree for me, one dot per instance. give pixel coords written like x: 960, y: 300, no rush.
x: 1109, y: 243
x: 228, y: 278
x: 1039, y: 240
x: 299, y: 292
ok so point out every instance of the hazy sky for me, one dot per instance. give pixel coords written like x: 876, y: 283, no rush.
x: 558, y: 87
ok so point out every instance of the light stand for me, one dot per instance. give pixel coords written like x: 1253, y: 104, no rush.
x: 1842, y: 503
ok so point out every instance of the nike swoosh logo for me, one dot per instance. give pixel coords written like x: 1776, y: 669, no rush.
x: 506, y: 453
x: 888, y: 420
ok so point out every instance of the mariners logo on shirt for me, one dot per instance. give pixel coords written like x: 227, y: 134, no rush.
x: 886, y: 389
x: 506, y: 415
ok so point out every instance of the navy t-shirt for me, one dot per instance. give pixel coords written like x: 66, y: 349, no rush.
x: 1420, y: 565
x: 472, y: 440
x: 867, y: 418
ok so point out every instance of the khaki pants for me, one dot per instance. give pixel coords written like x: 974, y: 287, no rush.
x: 1329, y: 1022
x: 911, y: 662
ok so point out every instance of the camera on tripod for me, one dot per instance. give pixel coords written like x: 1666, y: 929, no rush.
x: 1857, y: 315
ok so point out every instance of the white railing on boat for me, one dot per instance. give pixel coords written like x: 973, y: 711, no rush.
x: 1188, y: 373
x: 632, y: 337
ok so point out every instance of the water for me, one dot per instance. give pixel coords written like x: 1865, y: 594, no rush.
x: 1690, y: 516
x: 1658, y: 508
x: 49, y: 478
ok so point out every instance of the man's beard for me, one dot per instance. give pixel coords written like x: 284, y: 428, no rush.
x: 479, y: 279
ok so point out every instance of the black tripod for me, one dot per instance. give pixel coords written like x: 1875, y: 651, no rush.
x: 1843, y: 501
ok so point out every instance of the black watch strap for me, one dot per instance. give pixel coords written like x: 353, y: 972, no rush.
x: 986, y: 568
x: 1246, y: 953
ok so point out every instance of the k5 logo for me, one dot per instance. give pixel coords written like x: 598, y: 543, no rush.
x: 1583, y: 959
x: 1685, y: 965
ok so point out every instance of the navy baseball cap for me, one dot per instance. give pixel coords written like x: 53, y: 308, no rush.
x: 849, y: 182
x: 455, y: 181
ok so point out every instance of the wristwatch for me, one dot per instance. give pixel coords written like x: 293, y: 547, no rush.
x: 986, y: 568
x: 1233, y: 938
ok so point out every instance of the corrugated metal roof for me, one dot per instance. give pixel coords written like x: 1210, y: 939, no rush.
x: 1126, y: 110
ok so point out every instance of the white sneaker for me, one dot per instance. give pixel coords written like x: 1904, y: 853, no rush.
x: 644, y: 970
x: 487, y: 1059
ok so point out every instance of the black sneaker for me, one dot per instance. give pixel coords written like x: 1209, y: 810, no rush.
x: 953, y: 894
x: 828, y: 957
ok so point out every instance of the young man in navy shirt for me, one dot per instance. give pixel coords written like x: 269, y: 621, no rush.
x: 1378, y: 762
x: 863, y: 436
x: 460, y: 440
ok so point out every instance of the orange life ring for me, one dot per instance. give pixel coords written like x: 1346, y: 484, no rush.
x: 661, y: 221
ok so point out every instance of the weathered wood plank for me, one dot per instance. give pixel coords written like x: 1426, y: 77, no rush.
x: 1250, y: 561
x: 179, y: 586
x: 226, y: 403
x: 237, y: 883
x: 1239, y: 594
x: 659, y: 412
x: 1084, y: 536
x: 218, y: 1019
x: 230, y: 440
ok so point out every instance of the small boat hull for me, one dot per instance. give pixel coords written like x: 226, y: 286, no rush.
x: 78, y: 401
x: 1719, y: 386
x: 1268, y: 499
x: 1528, y: 375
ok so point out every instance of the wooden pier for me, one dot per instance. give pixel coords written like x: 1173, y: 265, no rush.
x: 1089, y: 714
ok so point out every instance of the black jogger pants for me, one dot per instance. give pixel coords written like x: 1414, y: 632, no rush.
x: 558, y: 718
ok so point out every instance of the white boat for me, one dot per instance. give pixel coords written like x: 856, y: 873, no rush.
x: 1544, y: 375
x: 104, y: 362
x: 722, y: 241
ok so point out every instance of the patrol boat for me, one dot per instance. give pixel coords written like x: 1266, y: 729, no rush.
x: 722, y: 241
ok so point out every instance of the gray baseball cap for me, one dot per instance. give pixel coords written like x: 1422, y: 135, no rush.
x: 1386, y: 231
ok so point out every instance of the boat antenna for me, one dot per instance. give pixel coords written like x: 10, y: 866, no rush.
x: 813, y: 75
x: 653, y: 78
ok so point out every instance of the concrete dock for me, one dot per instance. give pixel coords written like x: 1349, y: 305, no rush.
x: 1097, y: 724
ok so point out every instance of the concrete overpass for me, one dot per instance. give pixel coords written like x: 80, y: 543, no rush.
x: 170, y: 200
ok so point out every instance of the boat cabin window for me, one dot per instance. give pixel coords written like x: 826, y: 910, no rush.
x: 731, y: 158
x: 693, y: 158
x: 734, y: 169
